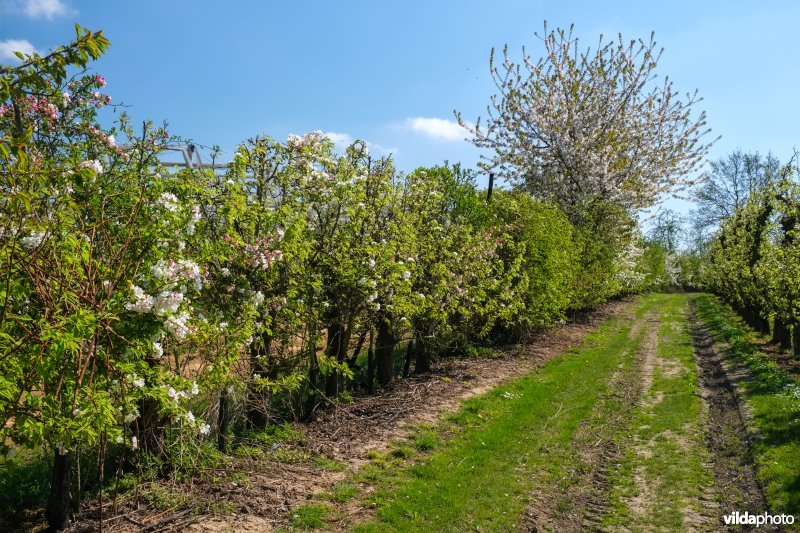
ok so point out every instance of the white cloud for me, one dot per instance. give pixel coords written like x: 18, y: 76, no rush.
x: 48, y: 9
x: 382, y: 150
x: 341, y: 140
x: 437, y: 128
x: 9, y: 46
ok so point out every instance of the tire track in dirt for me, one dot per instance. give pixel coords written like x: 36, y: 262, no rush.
x: 582, y: 505
x: 646, y: 362
x: 727, y: 435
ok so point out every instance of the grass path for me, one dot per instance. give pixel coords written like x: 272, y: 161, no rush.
x: 664, y: 473
x: 483, y: 475
x: 614, y: 435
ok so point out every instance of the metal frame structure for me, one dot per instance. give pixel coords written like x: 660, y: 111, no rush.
x: 191, y: 158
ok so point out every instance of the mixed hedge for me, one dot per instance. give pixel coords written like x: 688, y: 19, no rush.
x: 146, y: 309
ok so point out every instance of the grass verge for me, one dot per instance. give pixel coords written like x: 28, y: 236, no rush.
x: 774, y: 397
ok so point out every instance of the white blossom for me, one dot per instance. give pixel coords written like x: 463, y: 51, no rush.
x: 167, y: 302
x: 176, y: 324
x: 33, y: 240
x: 168, y: 201
x: 142, y: 302
x: 92, y: 164
x: 258, y: 298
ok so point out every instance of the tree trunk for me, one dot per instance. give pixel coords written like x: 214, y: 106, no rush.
x: 781, y: 335
x: 796, y: 339
x: 58, y: 501
x: 357, y: 350
x: 409, y: 355
x: 151, y: 428
x: 423, y: 359
x: 261, y: 363
x: 384, y: 351
x: 371, y: 366
x: 313, y: 376
x: 763, y: 323
x: 338, y: 342
x: 224, y: 420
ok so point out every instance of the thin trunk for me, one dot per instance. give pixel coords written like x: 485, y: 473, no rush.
x: 781, y: 334
x: 261, y: 363
x: 796, y: 339
x: 409, y: 355
x: 338, y: 342
x: 357, y: 350
x: 384, y: 352
x: 224, y: 420
x: 313, y: 376
x: 423, y: 359
x: 58, y: 501
x: 762, y: 323
x: 371, y: 365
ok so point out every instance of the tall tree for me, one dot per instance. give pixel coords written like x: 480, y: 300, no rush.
x: 577, y: 127
x: 730, y: 182
x: 668, y: 230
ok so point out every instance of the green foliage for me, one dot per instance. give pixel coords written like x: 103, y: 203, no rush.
x: 753, y: 261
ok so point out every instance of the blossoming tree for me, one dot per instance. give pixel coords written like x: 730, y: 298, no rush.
x: 580, y: 126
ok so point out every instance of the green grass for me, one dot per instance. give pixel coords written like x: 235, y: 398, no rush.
x: 309, y: 516
x: 665, y: 450
x: 774, y: 397
x: 497, y: 446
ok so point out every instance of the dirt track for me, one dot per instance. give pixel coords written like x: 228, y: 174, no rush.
x: 722, y: 424
x: 727, y: 433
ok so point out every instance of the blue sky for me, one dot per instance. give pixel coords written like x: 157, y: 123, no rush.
x: 380, y: 71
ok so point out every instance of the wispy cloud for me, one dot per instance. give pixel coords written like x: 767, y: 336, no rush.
x: 437, y: 128
x: 382, y: 150
x: 9, y: 46
x: 48, y: 9
x: 343, y: 140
